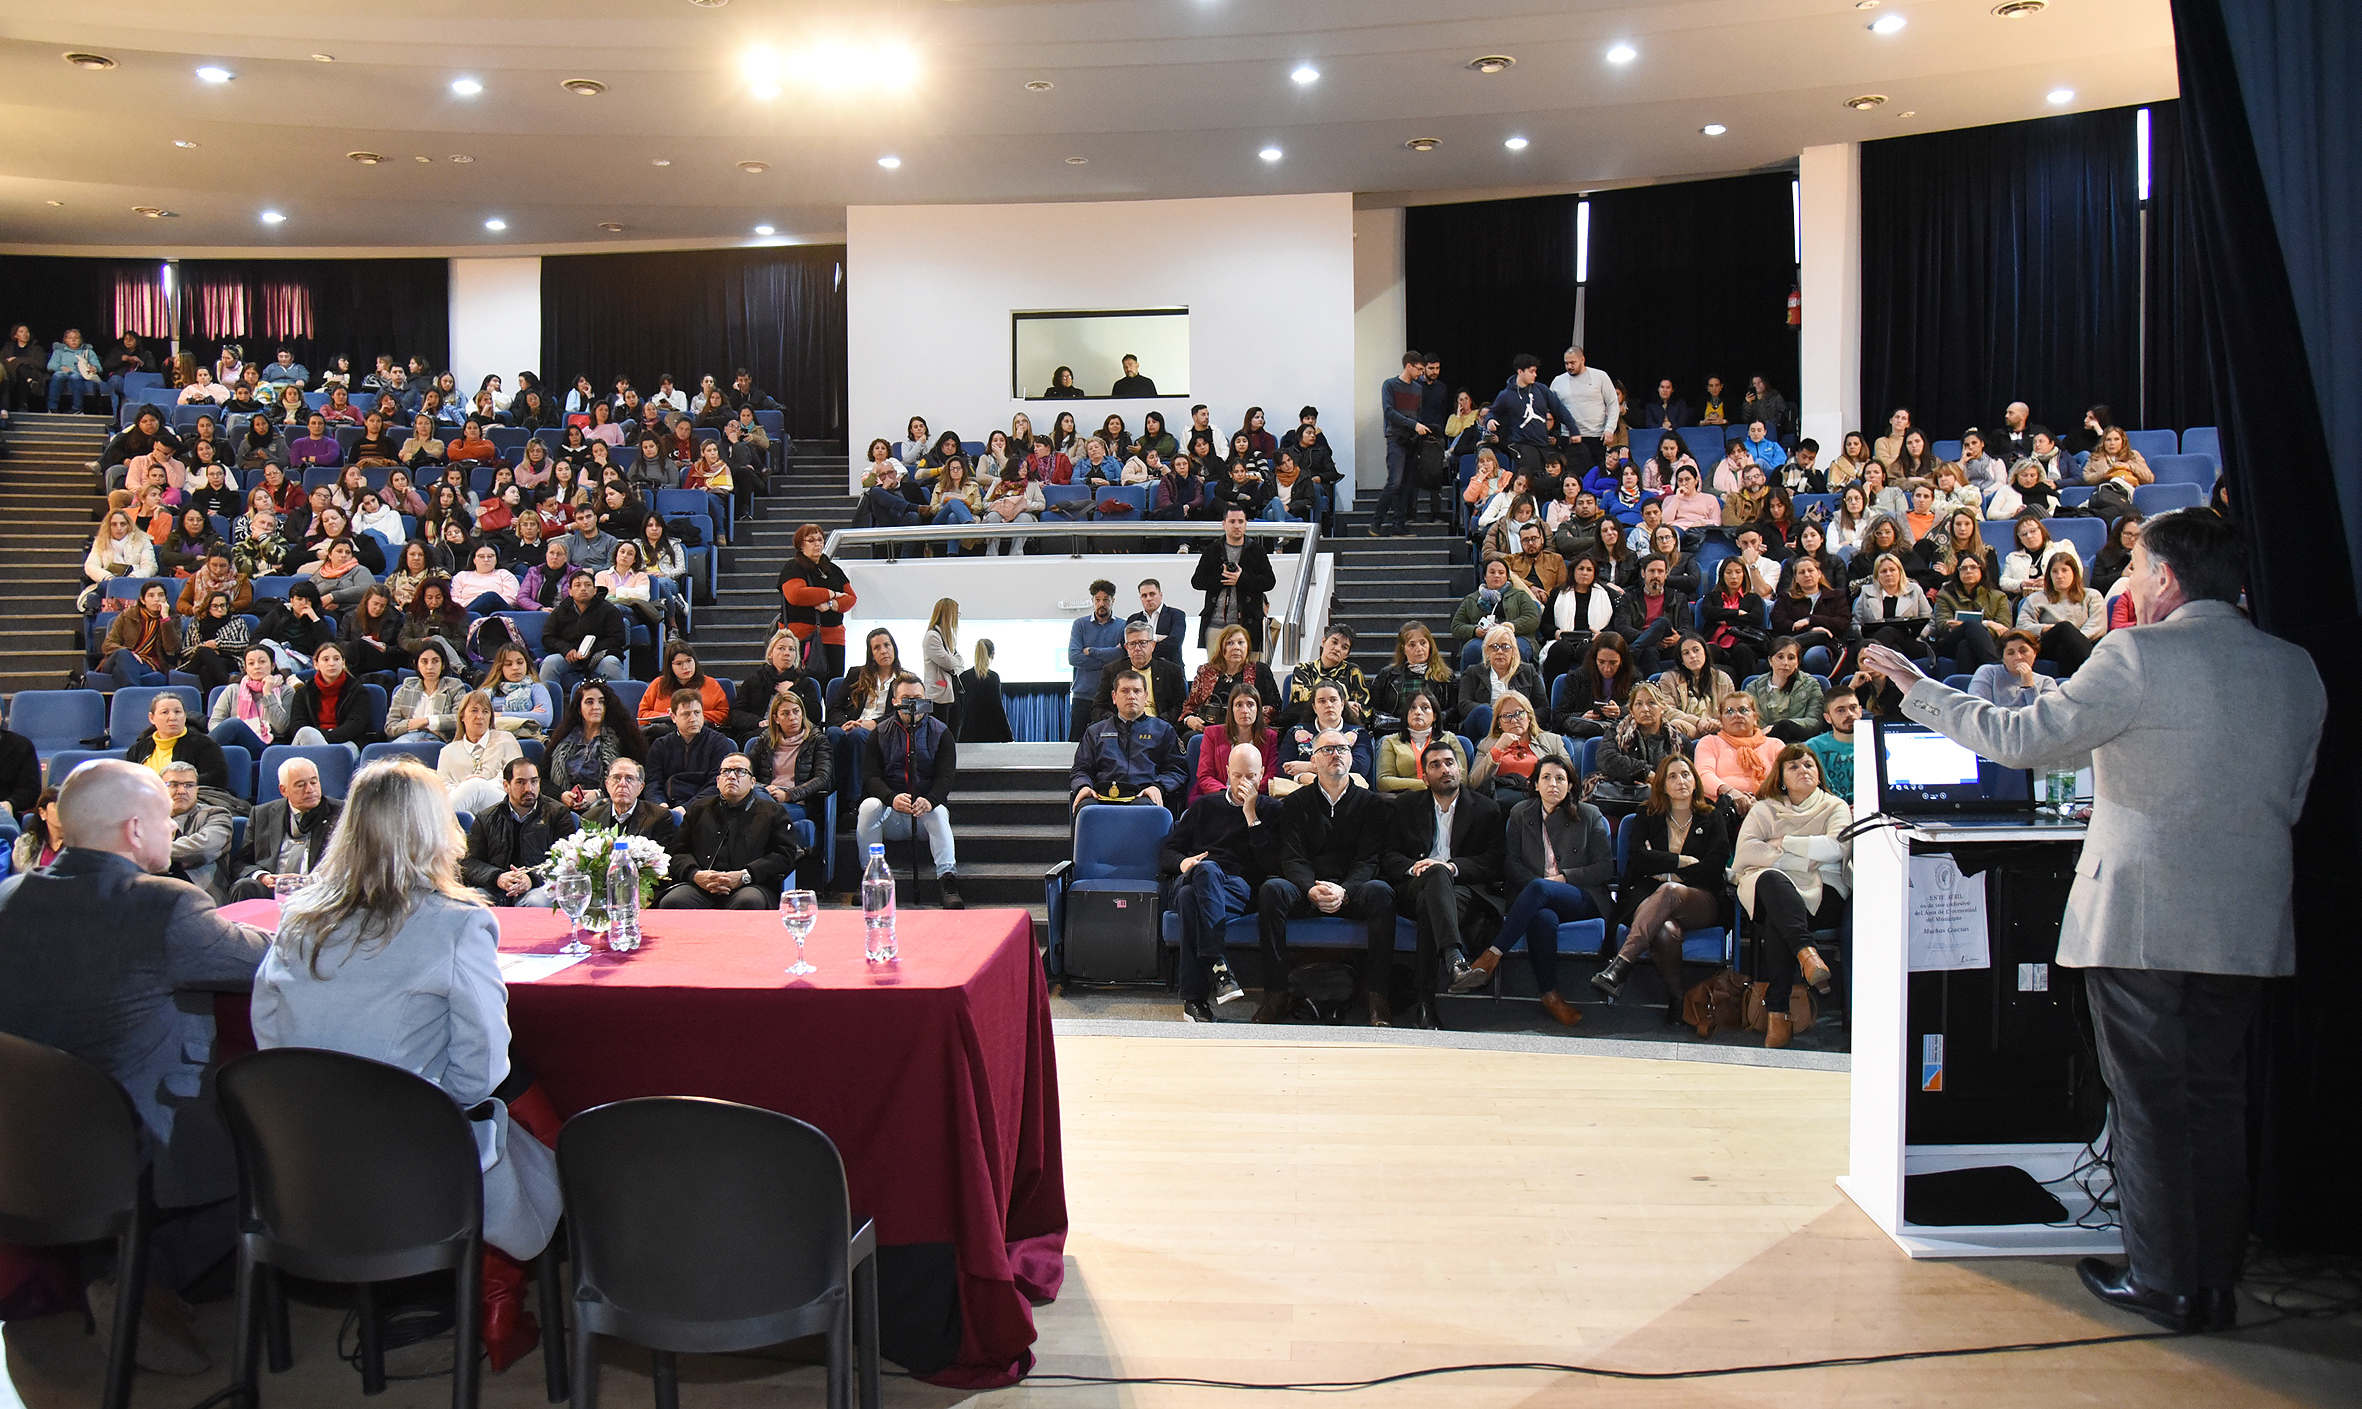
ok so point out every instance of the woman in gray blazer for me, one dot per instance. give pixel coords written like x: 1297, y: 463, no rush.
x: 387, y: 955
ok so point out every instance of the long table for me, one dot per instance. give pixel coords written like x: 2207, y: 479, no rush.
x: 935, y: 1076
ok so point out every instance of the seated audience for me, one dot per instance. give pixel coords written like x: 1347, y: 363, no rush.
x: 1442, y: 859
x: 520, y: 703
x: 1241, y: 727
x: 2012, y: 682
x: 1596, y: 690
x: 909, y: 763
x: 623, y: 807
x: 510, y: 842
x: 1672, y: 883
x: 1513, y: 746
x: 594, y: 731
x: 1130, y: 756
x: 1212, y: 866
x: 288, y: 835
x: 1557, y: 860
x: 425, y: 707
x: 1790, y: 872
x: 1229, y: 666
x: 1970, y: 618
x: 1167, y: 690
x: 1629, y: 753
x: 1422, y: 723
x: 1331, y: 837
x: 795, y: 766
x: 1581, y: 608
x: 475, y: 762
x: 587, y: 634
x: 735, y: 848
x: 2065, y: 614
x: 1733, y: 761
x: 1816, y: 616
x: 1833, y: 748
x: 168, y: 739
x: 1499, y: 674
x: 1418, y: 667
x: 1495, y: 602
x: 1296, y: 764
x: 1892, y: 610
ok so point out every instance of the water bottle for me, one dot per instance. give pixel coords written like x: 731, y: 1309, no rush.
x: 877, y: 908
x: 623, y: 900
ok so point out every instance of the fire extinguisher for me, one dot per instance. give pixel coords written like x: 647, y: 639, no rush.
x: 1795, y: 307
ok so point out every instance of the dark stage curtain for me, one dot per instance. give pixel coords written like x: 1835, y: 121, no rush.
x: 779, y: 313
x: 1690, y: 280
x: 51, y: 293
x: 2274, y: 239
x: 1487, y: 280
x: 2001, y: 264
x: 2177, y: 363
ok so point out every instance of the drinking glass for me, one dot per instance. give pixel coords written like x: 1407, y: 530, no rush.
x: 573, y: 891
x: 799, y: 911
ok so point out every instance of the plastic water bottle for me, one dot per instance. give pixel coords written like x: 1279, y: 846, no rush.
x: 623, y: 900
x: 877, y: 908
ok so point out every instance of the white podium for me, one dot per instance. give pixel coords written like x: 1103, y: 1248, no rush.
x: 1884, y: 1066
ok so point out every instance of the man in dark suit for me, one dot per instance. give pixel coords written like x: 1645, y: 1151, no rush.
x: 1235, y: 576
x: 510, y: 843
x: 1167, y: 686
x: 1211, y: 865
x: 1169, y: 623
x: 20, y: 775
x: 623, y: 806
x: 287, y: 835
x: 734, y: 849
x: 117, y: 965
x: 1443, y: 859
x: 1331, y: 836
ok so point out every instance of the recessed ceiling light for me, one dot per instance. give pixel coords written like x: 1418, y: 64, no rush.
x: 1714, y: 129
x: 365, y: 158
x: 53, y: 202
x: 1622, y: 54
x: 1039, y: 85
x: 764, y: 91
x: 1491, y: 63
x: 765, y: 230
x: 422, y: 160
x: 323, y: 58
x: 496, y: 223
x: 213, y: 74
x: 2061, y: 95
x: 154, y: 212
x: 2020, y: 9
x: 1516, y: 144
x: 584, y: 87
x: 1424, y: 144
x: 1908, y: 112
x: 272, y: 217
x: 889, y: 163
x: 96, y: 63
x: 462, y: 160
x: 1865, y: 4
x: 1306, y: 73
x: 1865, y: 102
x: 709, y: 4
x: 1888, y: 24
x: 611, y: 227
x: 466, y: 87
x: 754, y: 168
x: 1078, y: 161
x: 660, y: 161
x: 183, y: 143
x: 1271, y: 154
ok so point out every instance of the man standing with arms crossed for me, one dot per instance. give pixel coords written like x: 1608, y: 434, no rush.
x: 2176, y: 919
x: 1589, y: 396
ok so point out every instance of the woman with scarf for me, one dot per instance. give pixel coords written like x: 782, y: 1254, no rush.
x: 816, y: 595
x: 1227, y: 668
x: 142, y: 643
x: 1734, y: 760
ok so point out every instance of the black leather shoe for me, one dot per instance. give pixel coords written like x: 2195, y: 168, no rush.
x: 2222, y: 1309
x: 1430, y: 1016
x: 2114, y: 1285
x: 1196, y: 1010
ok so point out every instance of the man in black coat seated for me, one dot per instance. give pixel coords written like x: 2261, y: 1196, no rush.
x: 289, y: 834
x: 1649, y: 613
x: 20, y: 776
x: 1226, y: 846
x: 735, y: 849
x: 1443, y: 858
x: 1331, y: 837
x: 585, y: 612
x: 1167, y: 686
x: 624, y: 807
x: 682, y: 765
x: 509, y: 844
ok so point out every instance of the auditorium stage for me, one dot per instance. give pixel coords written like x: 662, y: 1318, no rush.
x: 1330, y: 1208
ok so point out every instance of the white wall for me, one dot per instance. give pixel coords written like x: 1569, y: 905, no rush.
x: 1268, y: 281
x: 1379, y: 332
x: 495, y: 320
x: 1829, y: 394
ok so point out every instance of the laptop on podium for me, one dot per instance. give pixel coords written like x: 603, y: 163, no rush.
x: 1926, y: 777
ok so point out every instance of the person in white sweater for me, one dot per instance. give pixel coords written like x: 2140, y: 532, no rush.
x: 1790, y: 871
x: 2023, y: 570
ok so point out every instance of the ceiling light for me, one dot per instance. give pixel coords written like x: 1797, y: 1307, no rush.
x: 1424, y: 144
x: 2061, y: 95
x: 754, y: 168
x: 1039, y: 85
x: 709, y: 4
x: 496, y: 223
x: 96, y: 63
x: 323, y: 58
x: 1271, y: 154
x: 889, y: 163
x: 1491, y: 63
x: 1306, y: 73
x: 584, y: 87
x: 2020, y: 9
x: 765, y: 91
x: 1622, y: 54
x: 154, y: 212
x: 1078, y: 161
x: 53, y: 202
x: 1515, y: 144
x: 765, y: 230
x: 183, y: 143
x: 1908, y: 112
x: 610, y: 226
x: 462, y: 160
x: 466, y: 87
x: 213, y: 74
x: 831, y: 66
x: 1865, y: 102
x: 1888, y: 24
x: 422, y: 161
x: 272, y: 217
x: 1714, y: 129
x: 1865, y: 4
x: 660, y: 161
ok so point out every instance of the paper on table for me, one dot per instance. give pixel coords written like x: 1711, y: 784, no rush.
x: 531, y: 968
x: 1945, y: 917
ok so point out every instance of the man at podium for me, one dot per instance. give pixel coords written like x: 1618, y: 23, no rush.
x: 2181, y: 904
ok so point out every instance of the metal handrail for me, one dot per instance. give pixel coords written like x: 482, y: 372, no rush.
x: 1290, y: 623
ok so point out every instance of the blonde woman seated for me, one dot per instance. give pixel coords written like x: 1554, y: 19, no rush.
x: 1673, y: 880
x: 2065, y: 613
x: 1399, y: 752
x: 1893, y: 610
x: 386, y: 955
x: 1506, y: 758
x: 1790, y: 871
x: 1630, y: 752
x: 472, y: 762
x: 2028, y: 563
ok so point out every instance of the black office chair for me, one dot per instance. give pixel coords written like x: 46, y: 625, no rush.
x: 350, y: 1170
x: 70, y: 1172
x: 701, y: 1226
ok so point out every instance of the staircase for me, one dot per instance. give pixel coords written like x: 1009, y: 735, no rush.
x: 1383, y: 582
x: 732, y: 631
x: 49, y: 509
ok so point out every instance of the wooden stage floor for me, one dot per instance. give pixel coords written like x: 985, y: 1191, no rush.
x: 1288, y: 1212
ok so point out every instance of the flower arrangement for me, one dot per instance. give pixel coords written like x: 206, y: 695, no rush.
x: 588, y: 853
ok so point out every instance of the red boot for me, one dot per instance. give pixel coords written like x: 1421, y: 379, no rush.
x: 509, y: 1329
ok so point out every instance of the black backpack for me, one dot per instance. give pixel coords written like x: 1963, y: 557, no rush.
x: 686, y: 532
x: 1427, y: 463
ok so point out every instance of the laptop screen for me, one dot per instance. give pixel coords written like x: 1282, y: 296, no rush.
x: 1921, y: 773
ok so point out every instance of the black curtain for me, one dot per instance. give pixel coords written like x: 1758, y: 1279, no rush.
x: 360, y: 307
x: 2180, y: 328
x: 779, y: 313
x: 2002, y: 264
x: 2306, y: 1077
x: 1486, y: 280
x: 51, y: 293
x: 1690, y: 280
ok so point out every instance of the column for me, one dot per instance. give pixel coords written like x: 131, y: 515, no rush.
x: 1829, y: 191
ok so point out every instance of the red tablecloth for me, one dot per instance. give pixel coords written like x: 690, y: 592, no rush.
x: 935, y: 1076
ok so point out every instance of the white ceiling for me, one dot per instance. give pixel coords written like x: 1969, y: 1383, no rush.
x: 1162, y: 97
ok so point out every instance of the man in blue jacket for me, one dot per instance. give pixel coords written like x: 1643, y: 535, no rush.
x: 1095, y: 643
x: 1400, y: 401
x: 1527, y: 414
x: 1133, y: 757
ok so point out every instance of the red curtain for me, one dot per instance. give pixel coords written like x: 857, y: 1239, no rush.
x: 140, y: 305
